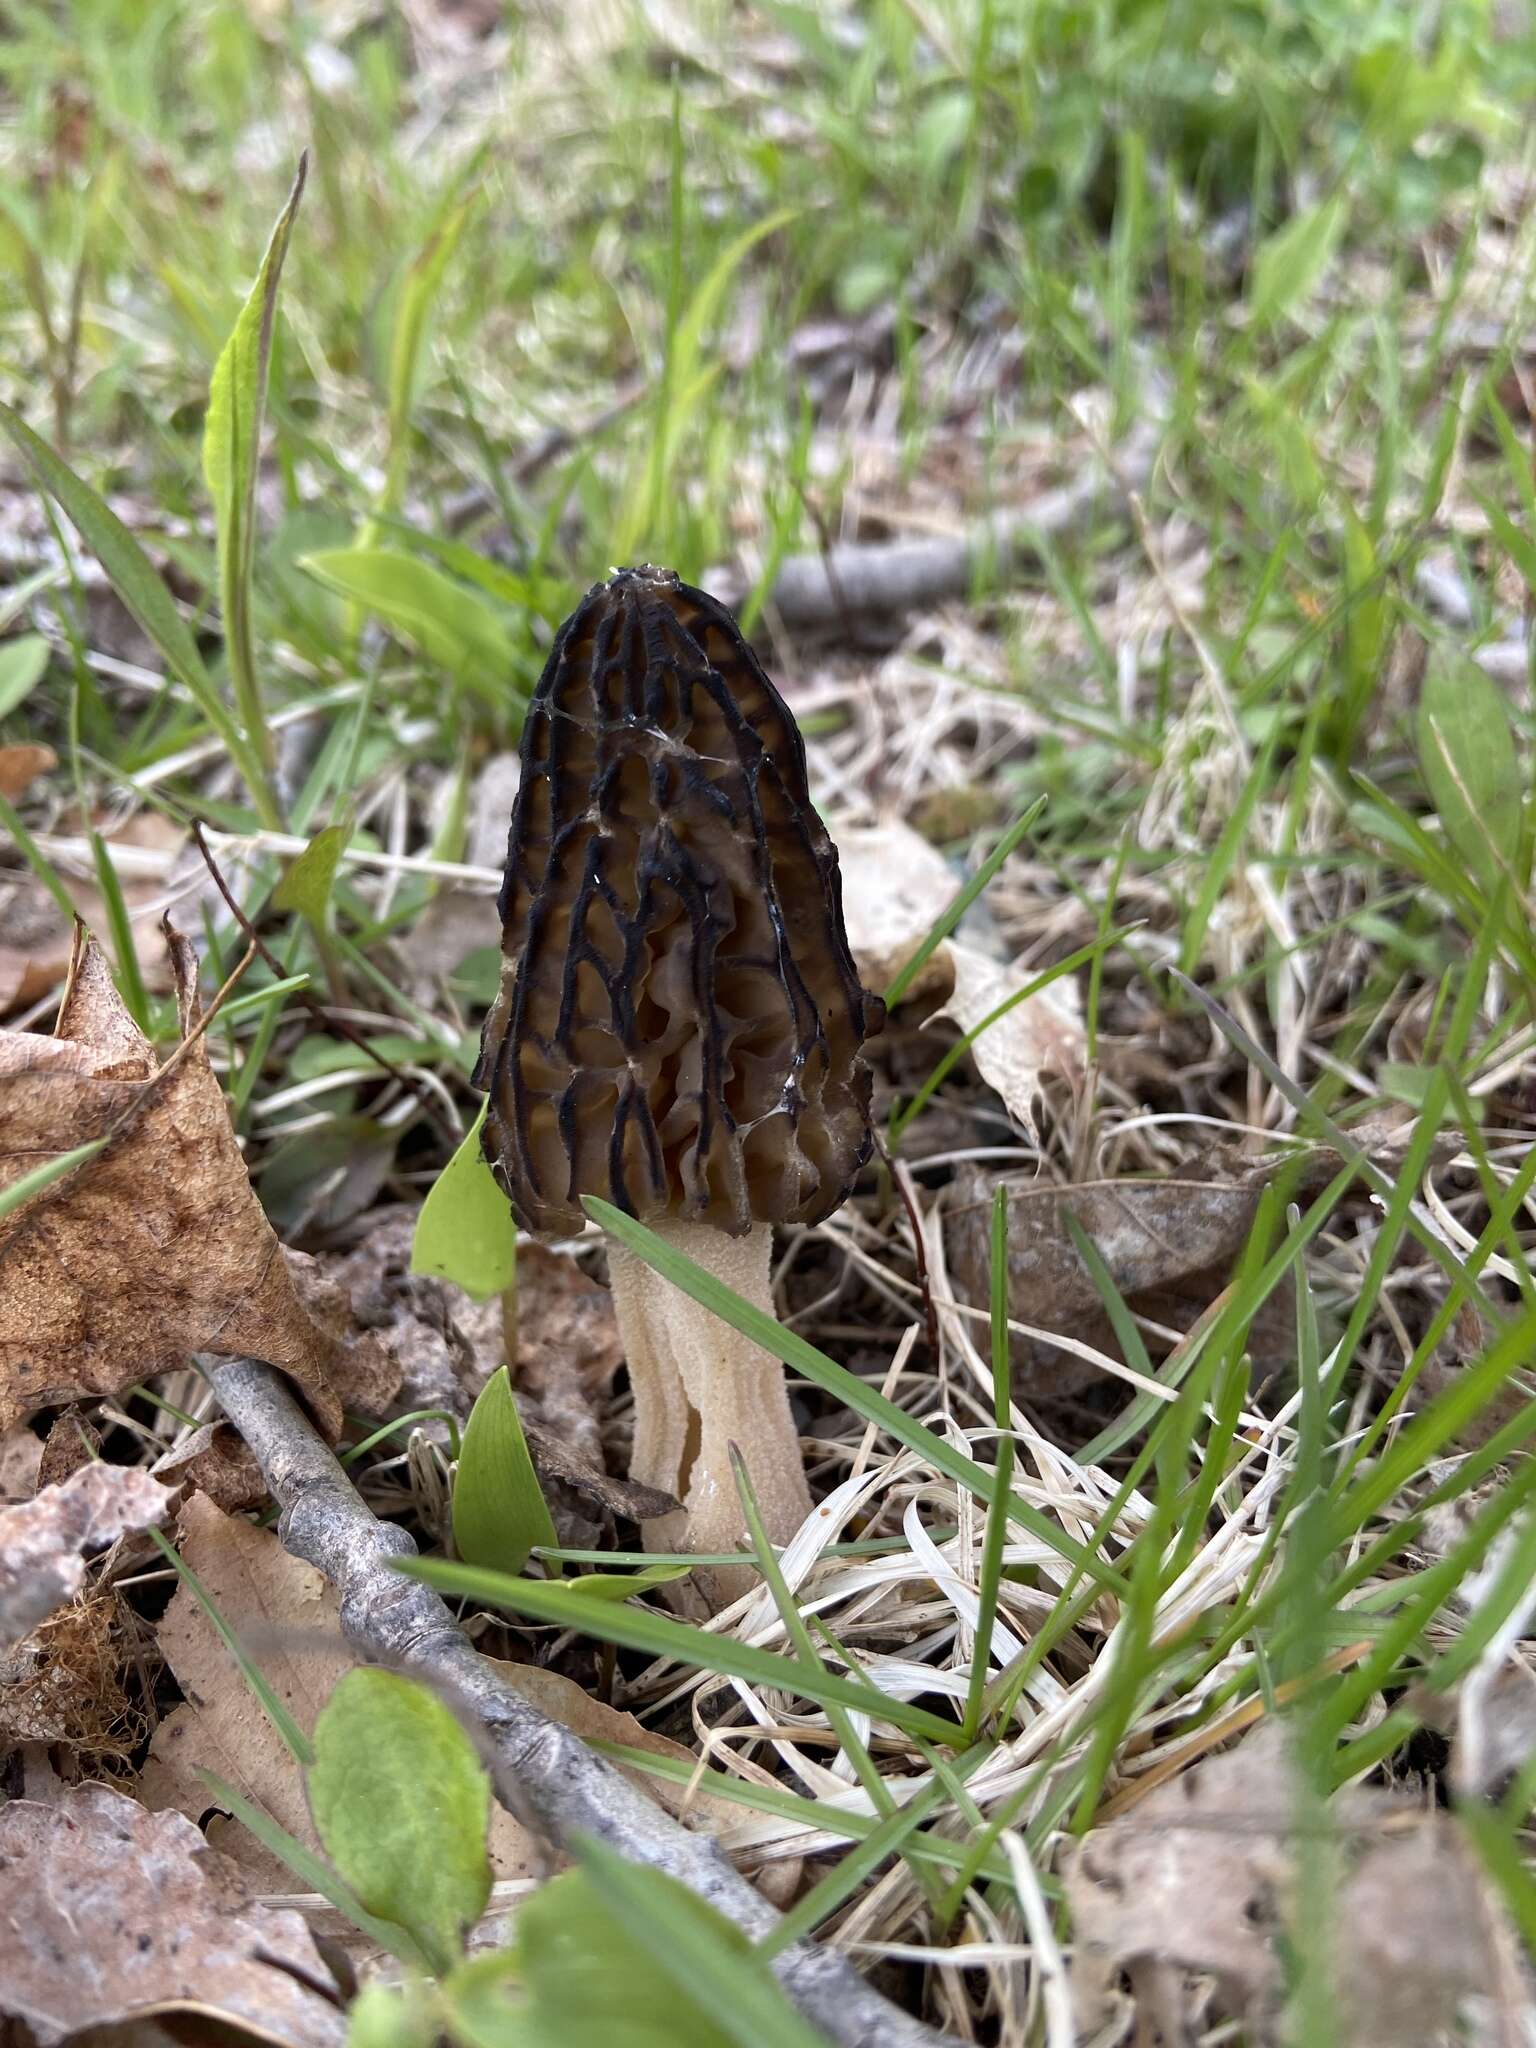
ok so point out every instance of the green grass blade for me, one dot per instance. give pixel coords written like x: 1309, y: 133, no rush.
x: 642, y: 1628
x: 231, y: 455
x: 144, y: 594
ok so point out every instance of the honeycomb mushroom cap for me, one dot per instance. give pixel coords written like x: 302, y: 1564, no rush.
x: 679, y: 1020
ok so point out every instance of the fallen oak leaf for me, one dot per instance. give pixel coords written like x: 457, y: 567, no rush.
x: 154, y: 1248
x: 114, y: 1913
x: 44, y: 1541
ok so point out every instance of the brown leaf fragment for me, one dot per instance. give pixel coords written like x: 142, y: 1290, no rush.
x: 568, y: 1349
x: 554, y: 1459
x: 109, y: 1912
x: 19, y: 765
x: 217, y: 1461
x: 1194, y: 1876
x: 155, y: 1248
x: 73, y: 1441
x: 21, y: 1457
x: 445, y: 1345
x: 1415, y: 1940
x: 44, y: 1541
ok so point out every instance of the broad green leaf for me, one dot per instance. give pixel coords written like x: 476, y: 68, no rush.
x: 625, y: 1585
x: 642, y: 1628
x: 448, y: 623
x: 22, y: 662
x: 402, y: 1806
x: 307, y: 885
x: 614, y: 1952
x: 392, y: 2016
x: 237, y: 399
x: 312, y: 1871
x: 143, y: 593
x: 498, y: 1510
x: 1467, y: 751
x: 1291, y: 262
x: 465, y: 1231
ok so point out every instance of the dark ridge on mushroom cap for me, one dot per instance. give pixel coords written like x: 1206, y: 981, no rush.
x: 679, y: 1021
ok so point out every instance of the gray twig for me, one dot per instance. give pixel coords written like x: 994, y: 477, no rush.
x: 860, y: 577
x: 558, y: 1781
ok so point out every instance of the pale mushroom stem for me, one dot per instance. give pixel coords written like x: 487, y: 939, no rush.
x: 700, y: 1386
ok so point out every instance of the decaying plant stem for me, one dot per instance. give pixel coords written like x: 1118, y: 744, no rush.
x: 560, y: 1783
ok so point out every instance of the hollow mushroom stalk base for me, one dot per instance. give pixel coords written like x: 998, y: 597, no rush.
x: 700, y: 1386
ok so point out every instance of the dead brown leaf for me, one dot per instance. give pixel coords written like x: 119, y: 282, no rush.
x: 288, y: 1615
x: 1199, y: 1881
x: 568, y: 1348
x: 155, y: 1248
x: 21, y: 1460
x: 446, y: 1345
x: 44, y: 1541
x: 73, y: 1441
x: 894, y: 887
x: 111, y: 1912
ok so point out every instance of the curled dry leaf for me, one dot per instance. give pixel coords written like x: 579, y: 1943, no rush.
x: 44, y: 1542
x: 111, y: 1912
x: 156, y: 1247
x: 1198, y: 1880
x: 894, y: 887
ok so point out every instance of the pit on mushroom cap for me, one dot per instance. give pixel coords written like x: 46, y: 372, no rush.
x: 679, y: 1022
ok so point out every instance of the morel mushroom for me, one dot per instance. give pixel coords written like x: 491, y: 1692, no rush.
x: 679, y: 1021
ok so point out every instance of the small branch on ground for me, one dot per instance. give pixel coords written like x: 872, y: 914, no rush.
x: 557, y: 1781
x: 905, y: 575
